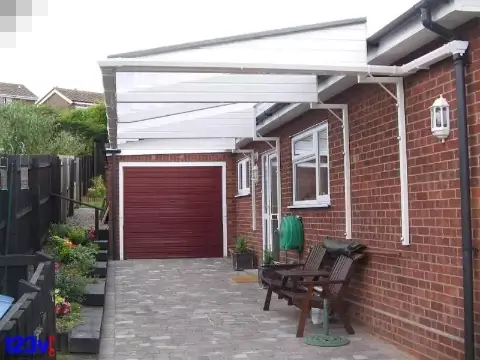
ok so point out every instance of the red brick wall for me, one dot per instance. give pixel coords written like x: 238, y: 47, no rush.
x: 413, y: 300
x: 231, y: 181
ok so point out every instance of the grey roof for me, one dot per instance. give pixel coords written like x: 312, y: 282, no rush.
x: 81, y: 95
x: 235, y: 38
x: 16, y: 90
x: 404, y: 18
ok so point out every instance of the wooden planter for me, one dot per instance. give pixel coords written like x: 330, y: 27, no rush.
x: 61, y: 342
x: 242, y: 261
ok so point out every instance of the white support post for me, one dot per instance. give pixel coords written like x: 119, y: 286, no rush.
x: 346, y: 159
x: 402, y: 146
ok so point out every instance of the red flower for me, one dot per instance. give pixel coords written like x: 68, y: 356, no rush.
x: 91, y: 233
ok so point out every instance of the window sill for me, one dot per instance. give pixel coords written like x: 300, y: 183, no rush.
x: 242, y: 194
x: 309, y: 206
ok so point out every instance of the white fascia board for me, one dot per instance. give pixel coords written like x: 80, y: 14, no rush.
x: 153, y: 66
x: 190, y: 145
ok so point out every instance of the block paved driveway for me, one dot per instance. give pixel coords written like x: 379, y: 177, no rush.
x: 191, y: 309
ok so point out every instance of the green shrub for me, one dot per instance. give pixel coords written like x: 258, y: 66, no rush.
x: 70, y: 283
x: 67, y: 322
x: 77, y: 236
x: 267, y: 257
x: 83, y: 259
x: 98, y: 189
x: 241, y: 245
x: 60, y: 230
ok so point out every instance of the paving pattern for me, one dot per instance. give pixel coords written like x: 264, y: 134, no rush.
x: 191, y: 309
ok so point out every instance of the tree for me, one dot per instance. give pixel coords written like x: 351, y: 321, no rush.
x: 89, y: 123
x: 36, y: 130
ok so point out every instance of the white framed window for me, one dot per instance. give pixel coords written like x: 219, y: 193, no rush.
x: 243, y: 177
x: 311, y: 171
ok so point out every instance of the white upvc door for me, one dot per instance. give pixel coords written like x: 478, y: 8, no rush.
x: 270, y: 209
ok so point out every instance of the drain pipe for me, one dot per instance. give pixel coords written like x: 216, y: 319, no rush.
x: 465, y: 207
x: 251, y: 152
x: 112, y: 246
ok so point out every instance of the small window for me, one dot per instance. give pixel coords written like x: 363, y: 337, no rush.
x: 243, y: 177
x: 310, y: 162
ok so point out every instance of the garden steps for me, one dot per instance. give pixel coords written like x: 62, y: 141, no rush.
x: 100, y: 269
x: 85, y: 337
x: 95, y: 293
x: 102, y: 244
x: 102, y: 255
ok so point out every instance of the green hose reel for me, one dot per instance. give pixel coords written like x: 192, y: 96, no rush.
x: 291, y: 233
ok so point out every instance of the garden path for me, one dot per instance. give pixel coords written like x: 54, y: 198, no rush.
x: 191, y: 309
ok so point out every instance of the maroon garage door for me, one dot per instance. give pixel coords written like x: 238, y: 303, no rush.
x: 172, y: 212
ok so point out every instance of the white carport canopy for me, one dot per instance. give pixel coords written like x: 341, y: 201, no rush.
x: 148, y: 101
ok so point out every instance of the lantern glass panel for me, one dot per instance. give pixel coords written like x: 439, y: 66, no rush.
x: 438, y: 117
x: 445, y: 117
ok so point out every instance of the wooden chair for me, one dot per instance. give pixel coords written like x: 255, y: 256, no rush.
x: 311, y: 294
x: 275, y: 282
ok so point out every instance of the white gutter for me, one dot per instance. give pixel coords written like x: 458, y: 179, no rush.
x: 346, y: 160
x: 155, y: 66
x: 251, y: 152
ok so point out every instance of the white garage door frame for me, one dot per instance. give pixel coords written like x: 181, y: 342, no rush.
x: 125, y: 164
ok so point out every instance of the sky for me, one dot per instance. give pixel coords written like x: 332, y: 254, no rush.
x: 61, y: 44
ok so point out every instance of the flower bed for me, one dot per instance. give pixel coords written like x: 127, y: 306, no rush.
x: 75, y: 255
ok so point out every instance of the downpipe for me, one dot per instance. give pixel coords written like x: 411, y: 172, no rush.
x: 464, y: 169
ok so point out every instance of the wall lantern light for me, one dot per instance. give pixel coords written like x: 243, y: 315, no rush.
x: 440, y: 117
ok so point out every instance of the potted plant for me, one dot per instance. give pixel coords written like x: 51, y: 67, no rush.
x: 266, y: 268
x: 242, y: 257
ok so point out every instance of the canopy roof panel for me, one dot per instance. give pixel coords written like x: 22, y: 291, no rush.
x: 139, y: 90
x: 198, y: 88
x: 229, y: 121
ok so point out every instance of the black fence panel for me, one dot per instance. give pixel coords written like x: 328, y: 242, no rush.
x: 32, y: 315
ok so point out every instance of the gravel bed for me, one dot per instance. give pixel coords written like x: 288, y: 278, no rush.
x: 85, y: 217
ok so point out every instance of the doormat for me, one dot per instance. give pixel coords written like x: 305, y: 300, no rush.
x: 245, y: 279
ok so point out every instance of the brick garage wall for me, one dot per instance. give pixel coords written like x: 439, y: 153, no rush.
x: 231, y: 182
x: 413, y: 300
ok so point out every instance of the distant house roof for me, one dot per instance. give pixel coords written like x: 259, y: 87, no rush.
x: 16, y: 91
x: 74, y: 96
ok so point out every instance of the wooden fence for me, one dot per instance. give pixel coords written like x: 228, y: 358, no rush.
x: 27, y: 207
x: 33, y: 313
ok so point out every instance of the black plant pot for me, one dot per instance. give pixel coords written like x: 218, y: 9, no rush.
x: 265, y: 271
x: 242, y: 261
x: 61, y: 342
